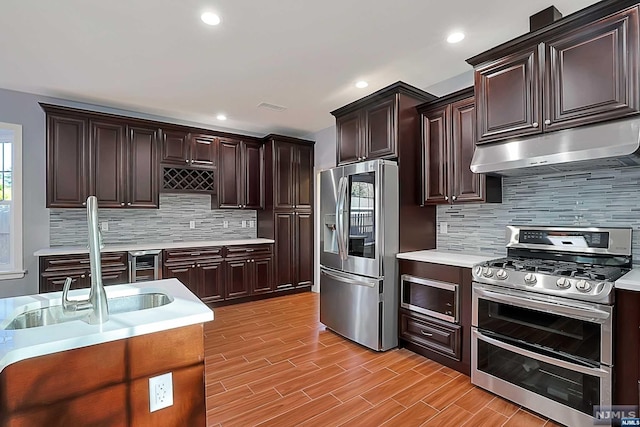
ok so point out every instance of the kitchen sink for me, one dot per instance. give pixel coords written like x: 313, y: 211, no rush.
x: 54, y: 314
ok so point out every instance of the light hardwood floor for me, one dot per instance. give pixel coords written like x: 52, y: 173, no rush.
x: 272, y: 363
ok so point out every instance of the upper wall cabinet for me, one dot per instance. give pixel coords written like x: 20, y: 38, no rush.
x: 583, y: 69
x: 92, y: 154
x: 368, y: 128
x: 293, y: 175
x: 184, y: 148
x: 448, y: 141
x: 240, y: 183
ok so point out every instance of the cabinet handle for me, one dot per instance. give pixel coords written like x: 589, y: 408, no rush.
x: 129, y: 204
x: 197, y: 265
x: 426, y: 334
x: 446, y: 197
x: 534, y: 124
x: 364, y: 158
x: 186, y: 161
x: 239, y: 206
x: 547, y: 122
x: 84, y: 203
x: 82, y: 276
x: 122, y: 204
x: 193, y: 266
x: 454, y: 198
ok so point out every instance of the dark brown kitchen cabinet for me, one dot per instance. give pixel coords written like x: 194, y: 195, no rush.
x: 237, y: 278
x: 448, y: 142
x: 93, y: 154
x: 294, y: 249
x: 249, y: 270
x: 262, y: 272
x: 199, y: 269
x: 211, y: 280
x: 56, y: 268
x: 626, y: 383
x: 368, y: 128
x: 580, y: 70
x: 189, y: 148
x: 67, y: 154
x: 240, y: 182
x: 293, y: 176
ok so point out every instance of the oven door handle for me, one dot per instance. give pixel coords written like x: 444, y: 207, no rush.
x: 589, y: 315
x: 599, y: 372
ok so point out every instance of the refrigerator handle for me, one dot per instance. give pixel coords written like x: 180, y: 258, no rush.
x: 340, y: 209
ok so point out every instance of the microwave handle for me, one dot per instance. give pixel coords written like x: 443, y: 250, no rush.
x: 598, y: 372
x: 589, y: 315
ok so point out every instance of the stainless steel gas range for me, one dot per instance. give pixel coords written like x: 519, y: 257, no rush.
x: 542, y: 319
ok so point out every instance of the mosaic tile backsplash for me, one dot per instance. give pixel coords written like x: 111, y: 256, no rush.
x: 170, y: 223
x: 604, y: 198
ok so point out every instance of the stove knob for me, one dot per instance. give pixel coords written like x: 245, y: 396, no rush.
x: 477, y: 271
x: 563, y: 283
x: 487, y: 272
x: 583, y: 286
x: 501, y: 274
x: 529, y: 278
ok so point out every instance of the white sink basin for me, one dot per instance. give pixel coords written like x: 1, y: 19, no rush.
x: 54, y: 314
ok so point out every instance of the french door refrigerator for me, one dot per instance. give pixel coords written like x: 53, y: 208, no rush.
x: 358, y: 247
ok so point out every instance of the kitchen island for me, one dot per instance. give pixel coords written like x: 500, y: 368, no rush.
x: 73, y: 373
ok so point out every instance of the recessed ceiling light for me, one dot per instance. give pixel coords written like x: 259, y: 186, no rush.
x: 210, y: 18
x: 455, y: 37
x: 221, y: 117
x: 361, y: 84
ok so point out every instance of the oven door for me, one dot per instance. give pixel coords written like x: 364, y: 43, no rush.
x: 563, y: 391
x: 568, y: 330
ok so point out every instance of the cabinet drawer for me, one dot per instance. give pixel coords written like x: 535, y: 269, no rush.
x: 65, y: 263
x: 441, y: 337
x: 191, y: 254
x: 248, y: 251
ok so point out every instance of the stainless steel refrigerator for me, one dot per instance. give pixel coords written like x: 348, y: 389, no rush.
x: 358, y: 246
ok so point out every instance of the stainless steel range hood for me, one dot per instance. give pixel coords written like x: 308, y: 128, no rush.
x: 601, y: 146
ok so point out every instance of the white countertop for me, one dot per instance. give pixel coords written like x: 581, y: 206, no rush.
x: 16, y: 345
x: 630, y: 281
x: 458, y: 259
x: 71, y: 250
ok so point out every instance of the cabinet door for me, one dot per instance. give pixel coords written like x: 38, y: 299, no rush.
x: 284, y: 175
x: 467, y: 186
x: 252, y: 175
x: 229, y: 170
x: 262, y: 275
x: 380, y: 130
x: 79, y: 280
x: 67, y: 162
x: 303, y: 183
x: 285, y: 250
x: 108, y: 166
x: 304, y: 249
x: 435, y: 155
x: 175, y: 147
x: 348, y: 137
x: 592, y: 72
x: 143, y: 173
x: 508, y: 96
x: 211, y: 280
x: 185, y: 273
x: 238, y: 279
x: 204, y: 150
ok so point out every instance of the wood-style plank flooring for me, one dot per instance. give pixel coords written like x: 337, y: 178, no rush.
x: 272, y: 363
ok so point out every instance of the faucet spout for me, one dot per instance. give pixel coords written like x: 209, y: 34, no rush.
x: 97, y: 301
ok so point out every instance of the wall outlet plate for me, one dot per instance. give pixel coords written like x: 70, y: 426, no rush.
x: 444, y: 228
x: 252, y: 223
x: 104, y: 226
x: 244, y: 223
x: 192, y: 224
x: 225, y: 224
x: 160, y: 392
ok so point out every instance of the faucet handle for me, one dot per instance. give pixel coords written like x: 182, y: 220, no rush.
x: 67, y: 304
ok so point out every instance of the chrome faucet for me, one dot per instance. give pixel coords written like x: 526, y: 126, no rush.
x: 97, y: 301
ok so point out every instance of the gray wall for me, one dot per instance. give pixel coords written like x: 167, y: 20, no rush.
x: 23, y: 109
x: 170, y: 223
x: 606, y: 198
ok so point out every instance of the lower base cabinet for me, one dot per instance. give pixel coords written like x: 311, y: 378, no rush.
x: 54, y: 270
x: 442, y: 337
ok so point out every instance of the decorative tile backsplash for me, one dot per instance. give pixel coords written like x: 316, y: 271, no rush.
x: 605, y: 198
x: 170, y: 223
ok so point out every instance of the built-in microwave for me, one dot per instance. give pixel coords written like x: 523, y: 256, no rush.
x: 430, y: 297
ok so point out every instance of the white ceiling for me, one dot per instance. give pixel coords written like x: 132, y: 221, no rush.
x: 156, y: 56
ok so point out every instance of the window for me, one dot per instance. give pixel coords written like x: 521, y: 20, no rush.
x: 11, y: 266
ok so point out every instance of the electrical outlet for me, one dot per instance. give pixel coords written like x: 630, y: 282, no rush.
x: 192, y: 224
x: 244, y: 223
x: 225, y: 224
x: 104, y: 226
x: 444, y: 228
x: 252, y: 223
x: 160, y: 392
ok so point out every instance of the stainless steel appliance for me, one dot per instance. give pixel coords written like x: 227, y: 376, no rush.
x: 145, y: 265
x: 430, y: 297
x: 358, y: 244
x: 542, y: 319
